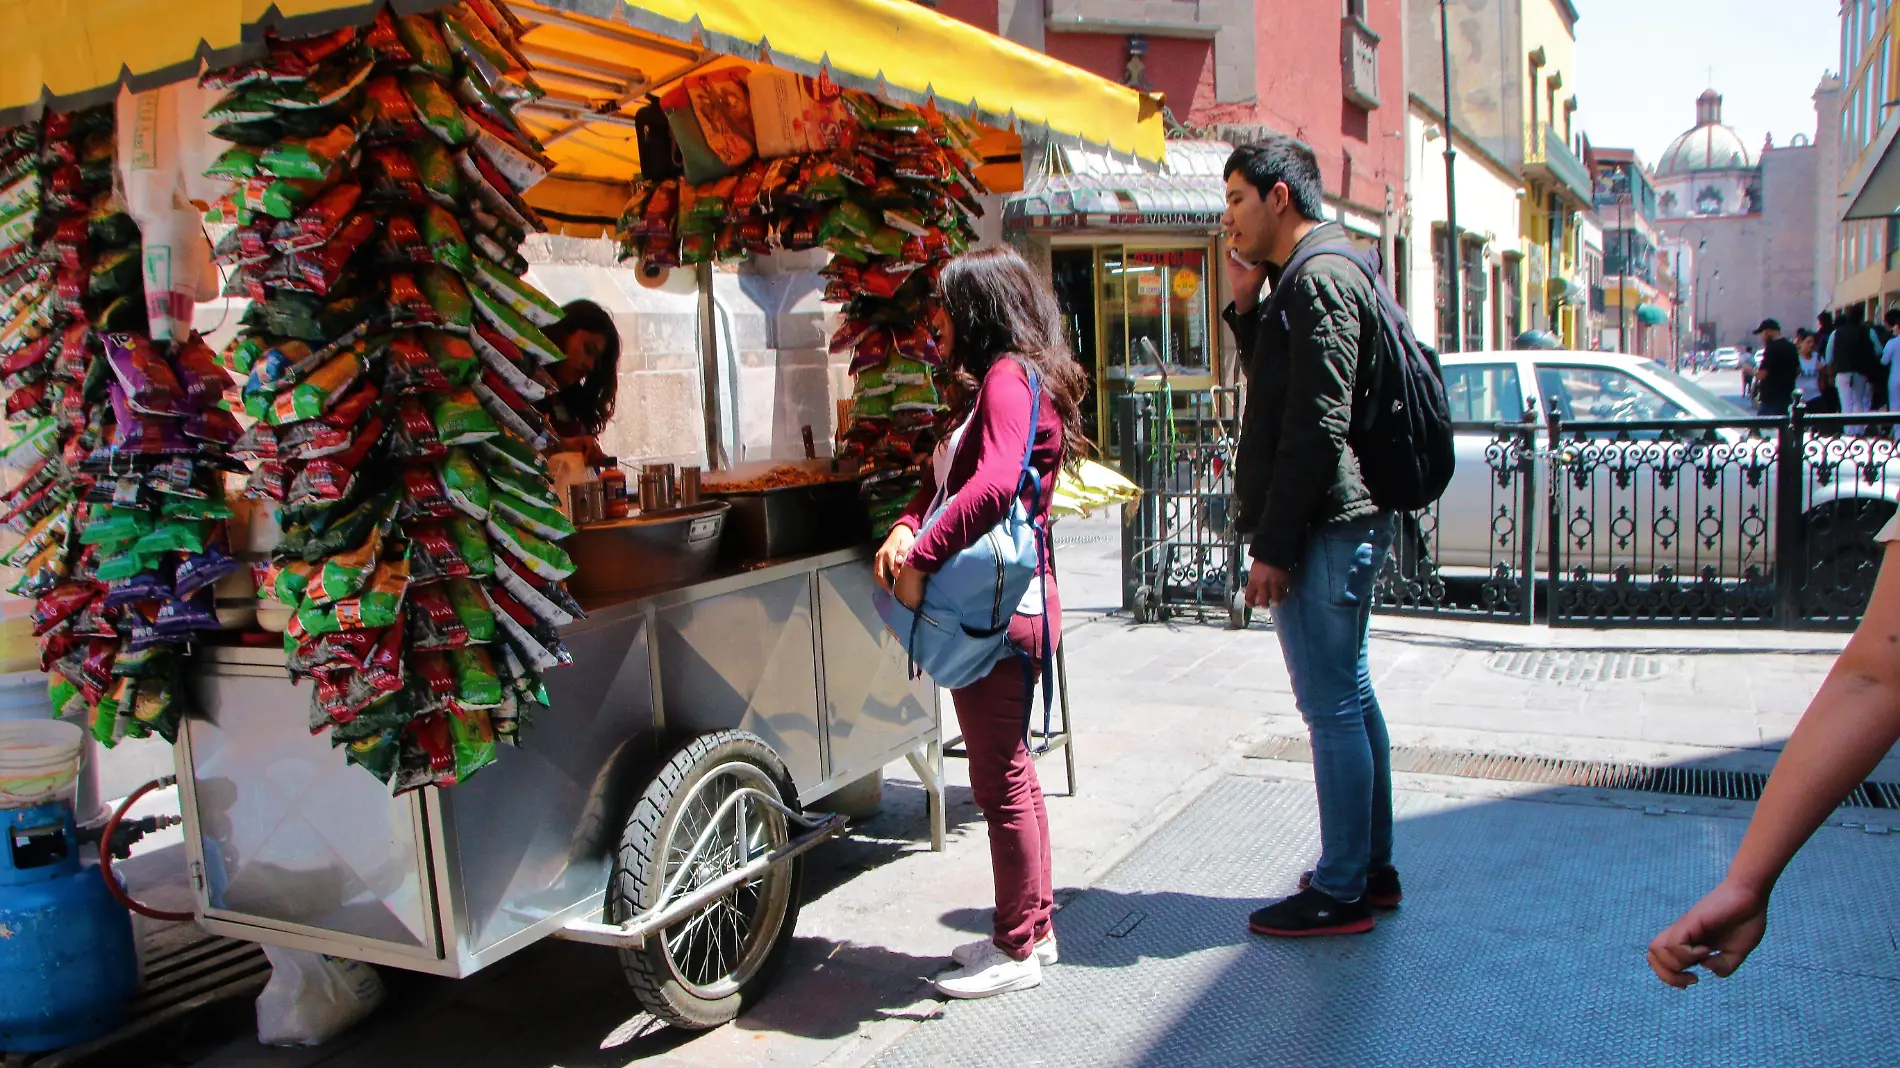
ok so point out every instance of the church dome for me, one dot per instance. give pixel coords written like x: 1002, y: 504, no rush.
x: 1710, y: 146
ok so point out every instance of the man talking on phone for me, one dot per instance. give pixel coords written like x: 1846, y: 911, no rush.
x: 1317, y: 539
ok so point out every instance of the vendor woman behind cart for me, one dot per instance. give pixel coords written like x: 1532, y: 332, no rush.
x: 999, y: 320
x: 589, y: 378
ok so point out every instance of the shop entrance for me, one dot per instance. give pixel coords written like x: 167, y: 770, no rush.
x: 1139, y: 318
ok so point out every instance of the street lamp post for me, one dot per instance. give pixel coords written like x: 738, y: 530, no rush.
x: 1622, y: 275
x: 1456, y: 304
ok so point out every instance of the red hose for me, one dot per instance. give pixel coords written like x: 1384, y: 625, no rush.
x: 105, y: 859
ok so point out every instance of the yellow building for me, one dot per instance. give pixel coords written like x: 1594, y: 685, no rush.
x: 1557, y: 188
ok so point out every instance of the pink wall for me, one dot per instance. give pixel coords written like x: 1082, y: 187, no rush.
x: 1180, y: 68
x: 1299, y: 89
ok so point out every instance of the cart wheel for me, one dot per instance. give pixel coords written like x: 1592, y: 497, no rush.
x: 1145, y: 605
x: 707, y: 968
x: 1239, y: 614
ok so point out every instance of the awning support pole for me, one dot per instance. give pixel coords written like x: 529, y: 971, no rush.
x: 716, y: 459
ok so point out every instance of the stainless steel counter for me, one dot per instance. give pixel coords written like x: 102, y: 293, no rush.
x: 290, y: 846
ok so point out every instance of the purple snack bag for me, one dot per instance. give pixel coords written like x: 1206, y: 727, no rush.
x: 181, y: 616
x: 203, y: 570
x: 149, y: 383
x: 144, y: 586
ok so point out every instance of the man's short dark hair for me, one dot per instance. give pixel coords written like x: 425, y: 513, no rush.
x: 1893, y: 316
x: 1275, y: 159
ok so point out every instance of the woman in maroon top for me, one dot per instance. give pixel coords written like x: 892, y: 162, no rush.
x: 999, y: 321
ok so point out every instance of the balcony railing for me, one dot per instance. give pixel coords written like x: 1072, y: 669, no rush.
x: 1545, y: 151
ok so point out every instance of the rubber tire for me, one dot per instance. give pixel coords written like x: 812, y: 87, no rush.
x: 1841, y: 534
x: 636, y: 883
x: 1239, y: 614
x: 1145, y: 605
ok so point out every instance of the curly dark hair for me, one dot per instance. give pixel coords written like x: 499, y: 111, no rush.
x: 1000, y: 308
x: 591, y: 401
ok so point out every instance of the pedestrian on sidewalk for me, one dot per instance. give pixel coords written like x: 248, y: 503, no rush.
x: 1780, y: 371
x: 999, y: 322
x: 1853, y: 351
x: 1317, y: 539
x: 1848, y: 728
x: 1890, y: 358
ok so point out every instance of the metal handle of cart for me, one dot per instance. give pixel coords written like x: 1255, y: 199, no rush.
x: 675, y: 906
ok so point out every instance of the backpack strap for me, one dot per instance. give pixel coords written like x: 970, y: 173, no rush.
x: 1045, y: 555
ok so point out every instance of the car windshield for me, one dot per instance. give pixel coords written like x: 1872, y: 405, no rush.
x: 1718, y: 407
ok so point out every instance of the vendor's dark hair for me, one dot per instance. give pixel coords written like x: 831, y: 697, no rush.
x: 1277, y: 158
x: 1000, y: 308
x: 591, y: 401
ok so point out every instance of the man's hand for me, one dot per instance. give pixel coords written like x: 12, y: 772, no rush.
x: 1267, y: 585
x: 892, y: 555
x: 1718, y: 932
x: 1245, y: 280
x: 909, y: 588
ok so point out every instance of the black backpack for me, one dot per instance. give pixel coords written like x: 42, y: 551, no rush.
x: 1857, y: 351
x: 1401, y: 422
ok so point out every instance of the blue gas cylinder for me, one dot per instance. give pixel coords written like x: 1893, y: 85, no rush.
x: 68, y: 964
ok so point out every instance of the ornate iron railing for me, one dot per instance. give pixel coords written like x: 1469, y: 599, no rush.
x: 1180, y: 552
x: 1738, y: 522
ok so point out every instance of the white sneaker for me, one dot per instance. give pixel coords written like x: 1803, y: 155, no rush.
x: 1046, y: 952
x: 993, y: 972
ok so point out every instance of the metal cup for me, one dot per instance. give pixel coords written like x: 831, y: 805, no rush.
x: 589, y: 501
x: 689, y: 485
x: 652, y: 491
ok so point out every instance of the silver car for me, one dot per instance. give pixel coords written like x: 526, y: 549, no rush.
x: 1696, y: 503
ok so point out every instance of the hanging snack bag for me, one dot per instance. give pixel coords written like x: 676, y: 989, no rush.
x: 500, y: 358
x: 423, y: 495
x: 698, y: 160
x: 437, y: 171
x: 467, y: 486
x: 543, y: 557
x: 460, y: 418
x: 471, y: 543
x: 446, y: 244
x: 425, y: 44
x: 438, y: 110
x: 411, y: 370
x: 378, y: 605
x: 390, y: 173
x: 505, y: 449
x: 316, y: 393
x: 531, y: 516
x: 723, y: 106
x: 310, y: 158
x: 432, y: 621
x: 387, y: 114
x: 414, y: 436
x: 473, y: 609
x: 537, y: 594
x: 511, y: 325
x: 524, y: 299
x: 448, y: 296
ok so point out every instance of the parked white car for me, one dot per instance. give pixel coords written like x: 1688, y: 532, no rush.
x: 1700, y: 504
x: 1727, y: 359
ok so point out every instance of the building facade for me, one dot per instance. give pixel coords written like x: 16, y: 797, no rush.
x: 1868, y: 179
x: 1749, y: 220
x: 1639, y: 294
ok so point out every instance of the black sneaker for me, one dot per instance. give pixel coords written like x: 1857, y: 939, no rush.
x: 1312, y: 912
x: 1382, y: 887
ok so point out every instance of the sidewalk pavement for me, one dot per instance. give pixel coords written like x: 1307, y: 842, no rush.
x: 1164, y: 716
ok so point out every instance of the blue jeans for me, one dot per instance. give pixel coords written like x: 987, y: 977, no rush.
x: 1323, y: 626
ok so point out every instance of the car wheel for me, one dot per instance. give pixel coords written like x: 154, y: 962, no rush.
x: 1843, y: 557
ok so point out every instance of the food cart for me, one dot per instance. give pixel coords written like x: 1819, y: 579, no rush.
x: 659, y: 806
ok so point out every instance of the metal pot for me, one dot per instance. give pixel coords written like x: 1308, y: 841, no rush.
x: 647, y: 551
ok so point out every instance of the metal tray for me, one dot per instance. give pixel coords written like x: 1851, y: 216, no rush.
x: 646, y: 551
x: 792, y: 520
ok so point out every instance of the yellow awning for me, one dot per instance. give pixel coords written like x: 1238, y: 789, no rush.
x: 70, y: 53
x: 913, y: 53
x: 74, y: 53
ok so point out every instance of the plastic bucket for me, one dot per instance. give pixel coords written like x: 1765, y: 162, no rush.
x: 39, y: 761
x: 23, y: 695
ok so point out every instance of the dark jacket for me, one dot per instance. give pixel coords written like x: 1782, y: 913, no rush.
x: 1293, y: 469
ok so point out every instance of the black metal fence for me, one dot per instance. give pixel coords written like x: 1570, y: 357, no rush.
x: 1738, y: 522
x: 1179, y: 552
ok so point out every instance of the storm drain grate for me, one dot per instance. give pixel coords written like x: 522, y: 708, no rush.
x: 1593, y: 774
x: 1553, y: 665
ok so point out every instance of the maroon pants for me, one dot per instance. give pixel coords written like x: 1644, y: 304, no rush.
x: 1003, y: 777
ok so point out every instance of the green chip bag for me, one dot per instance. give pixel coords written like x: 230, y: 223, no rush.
x: 438, y: 110
x: 472, y: 607
x: 113, y: 524
x: 471, y: 543
x: 174, y: 535
x: 446, y: 241
x: 530, y: 488
x: 516, y: 328
x: 544, y: 558
x: 508, y: 451
x: 441, y: 178
x: 535, y: 518
x: 449, y: 296
x: 459, y: 418
x: 476, y: 680
x: 467, y: 486
x: 427, y: 49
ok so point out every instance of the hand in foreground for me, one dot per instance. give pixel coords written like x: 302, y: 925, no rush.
x: 1718, y: 932
x: 909, y: 588
x: 892, y: 555
x: 1267, y: 585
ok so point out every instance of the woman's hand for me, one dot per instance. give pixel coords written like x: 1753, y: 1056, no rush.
x: 909, y: 588
x: 892, y: 556
x: 1718, y: 932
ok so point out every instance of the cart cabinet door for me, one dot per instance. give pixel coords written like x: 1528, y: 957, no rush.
x: 746, y: 660
x: 874, y: 711
x: 290, y: 836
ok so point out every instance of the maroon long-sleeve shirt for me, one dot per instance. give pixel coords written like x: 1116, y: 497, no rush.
x: 983, y: 473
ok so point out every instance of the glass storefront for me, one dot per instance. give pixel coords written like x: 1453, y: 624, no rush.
x: 1139, y: 317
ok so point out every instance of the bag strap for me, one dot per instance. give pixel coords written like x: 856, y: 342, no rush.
x: 1045, y: 554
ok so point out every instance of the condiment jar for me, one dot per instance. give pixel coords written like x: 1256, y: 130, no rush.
x: 613, y: 488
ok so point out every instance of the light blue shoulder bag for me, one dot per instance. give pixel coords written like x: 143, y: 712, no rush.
x: 961, y: 631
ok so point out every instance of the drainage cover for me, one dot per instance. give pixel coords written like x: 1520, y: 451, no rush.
x: 1684, y: 781
x: 1577, y: 668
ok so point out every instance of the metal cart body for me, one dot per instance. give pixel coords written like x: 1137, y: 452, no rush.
x: 290, y: 846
